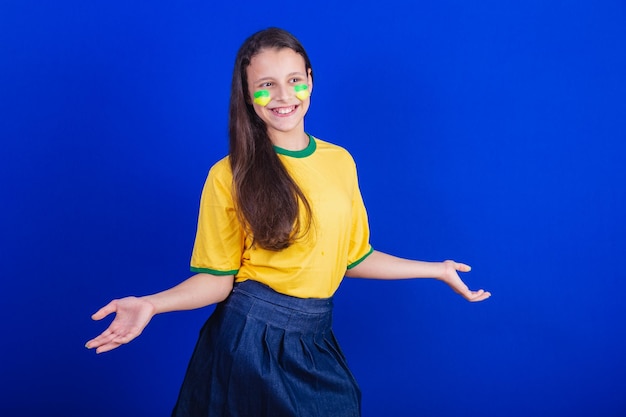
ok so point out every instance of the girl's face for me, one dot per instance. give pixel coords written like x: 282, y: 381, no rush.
x: 279, y: 85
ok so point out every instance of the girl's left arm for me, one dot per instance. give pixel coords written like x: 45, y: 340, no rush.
x: 380, y: 265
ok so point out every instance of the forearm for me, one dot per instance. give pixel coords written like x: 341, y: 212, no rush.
x: 199, y: 290
x: 380, y: 265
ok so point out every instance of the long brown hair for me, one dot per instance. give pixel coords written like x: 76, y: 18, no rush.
x: 267, y: 198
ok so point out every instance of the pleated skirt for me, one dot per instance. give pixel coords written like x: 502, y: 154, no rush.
x: 262, y: 353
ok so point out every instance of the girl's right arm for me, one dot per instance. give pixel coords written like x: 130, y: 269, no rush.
x: 132, y: 314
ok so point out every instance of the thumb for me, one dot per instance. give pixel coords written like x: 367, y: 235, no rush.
x: 461, y: 267
x: 105, y: 311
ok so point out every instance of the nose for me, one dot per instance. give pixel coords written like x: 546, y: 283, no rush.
x: 284, y: 92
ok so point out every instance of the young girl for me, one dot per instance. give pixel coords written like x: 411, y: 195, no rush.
x: 281, y: 223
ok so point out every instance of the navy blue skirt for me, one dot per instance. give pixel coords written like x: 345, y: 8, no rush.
x: 262, y: 353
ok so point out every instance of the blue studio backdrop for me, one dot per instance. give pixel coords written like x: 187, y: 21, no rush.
x: 489, y: 132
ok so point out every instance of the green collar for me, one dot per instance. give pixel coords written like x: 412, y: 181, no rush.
x: 310, y: 148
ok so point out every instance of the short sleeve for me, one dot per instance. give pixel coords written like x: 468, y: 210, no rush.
x: 359, y: 247
x: 219, y: 239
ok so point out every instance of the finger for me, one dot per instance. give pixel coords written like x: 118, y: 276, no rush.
x: 122, y: 340
x: 479, y: 295
x: 462, y: 267
x: 475, y: 295
x: 115, y: 341
x: 98, y: 340
x: 112, y: 333
x: 105, y: 311
x: 103, y: 338
x: 123, y: 335
x: 108, y: 347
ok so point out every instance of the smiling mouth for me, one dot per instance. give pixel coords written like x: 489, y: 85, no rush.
x: 284, y: 111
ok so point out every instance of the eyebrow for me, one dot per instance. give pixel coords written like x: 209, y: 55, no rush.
x: 291, y: 74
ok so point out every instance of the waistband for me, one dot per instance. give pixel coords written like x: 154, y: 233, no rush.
x: 291, y: 313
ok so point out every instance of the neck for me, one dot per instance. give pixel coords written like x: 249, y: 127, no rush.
x: 290, y: 141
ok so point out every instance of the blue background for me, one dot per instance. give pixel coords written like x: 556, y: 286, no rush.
x: 490, y: 132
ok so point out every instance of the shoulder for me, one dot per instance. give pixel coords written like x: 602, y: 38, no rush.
x: 335, y: 152
x: 220, y: 177
x: 221, y: 170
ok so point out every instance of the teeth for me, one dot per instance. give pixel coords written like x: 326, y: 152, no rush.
x: 285, y: 110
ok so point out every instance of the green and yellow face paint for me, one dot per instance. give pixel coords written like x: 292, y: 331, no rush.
x: 262, y: 97
x: 302, y: 91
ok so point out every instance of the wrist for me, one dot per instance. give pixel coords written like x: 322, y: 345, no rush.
x: 446, y: 267
x: 149, y: 299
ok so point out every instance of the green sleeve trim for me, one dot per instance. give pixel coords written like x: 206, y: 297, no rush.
x: 358, y: 261
x: 213, y: 271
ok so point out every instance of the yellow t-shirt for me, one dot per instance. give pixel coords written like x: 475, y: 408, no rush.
x: 315, y: 264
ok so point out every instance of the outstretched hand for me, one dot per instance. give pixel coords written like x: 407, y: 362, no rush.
x: 451, y: 277
x: 132, y: 315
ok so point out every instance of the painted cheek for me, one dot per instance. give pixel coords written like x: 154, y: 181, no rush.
x: 302, y: 91
x: 262, y: 97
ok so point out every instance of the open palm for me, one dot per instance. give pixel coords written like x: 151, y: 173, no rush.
x: 132, y: 315
x: 455, y: 282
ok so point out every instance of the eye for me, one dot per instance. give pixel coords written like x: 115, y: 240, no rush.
x: 266, y: 84
x: 294, y: 80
